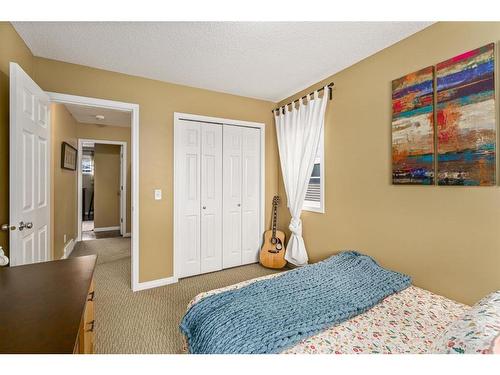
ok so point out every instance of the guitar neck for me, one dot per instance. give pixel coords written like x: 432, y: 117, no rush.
x: 275, y: 218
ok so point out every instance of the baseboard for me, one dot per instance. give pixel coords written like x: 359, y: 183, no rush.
x: 68, y: 249
x: 127, y: 234
x: 106, y: 229
x: 154, y: 283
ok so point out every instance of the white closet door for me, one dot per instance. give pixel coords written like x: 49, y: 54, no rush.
x: 250, y: 202
x: 232, y: 179
x: 188, y: 149
x: 211, y: 197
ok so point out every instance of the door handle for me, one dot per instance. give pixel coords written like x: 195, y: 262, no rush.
x: 239, y: 204
x: 7, y: 227
x: 204, y: 207
x: 23, y: 225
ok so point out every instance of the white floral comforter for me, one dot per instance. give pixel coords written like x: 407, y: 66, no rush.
x: 405, y: 322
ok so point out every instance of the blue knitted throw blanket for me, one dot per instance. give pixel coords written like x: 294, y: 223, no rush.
x: 271, y: 315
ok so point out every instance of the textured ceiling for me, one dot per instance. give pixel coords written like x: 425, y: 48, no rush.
x: 265, y: 60
x: 87, y: 115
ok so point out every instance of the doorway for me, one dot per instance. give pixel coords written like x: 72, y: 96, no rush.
x: 129, y: 170
x: 103, y: 189
x: 30, y: 109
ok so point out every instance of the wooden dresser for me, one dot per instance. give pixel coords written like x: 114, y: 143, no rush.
x: 48, y: 307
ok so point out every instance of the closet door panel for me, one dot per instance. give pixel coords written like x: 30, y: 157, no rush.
x: 251, y: 236
x: 211, y: 197
x: 188, y: 180
x: 232, y: 179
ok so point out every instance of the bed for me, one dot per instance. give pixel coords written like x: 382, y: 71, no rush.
x: 409, y: 321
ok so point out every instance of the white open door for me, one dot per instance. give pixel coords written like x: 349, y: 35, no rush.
x: 29, y: 170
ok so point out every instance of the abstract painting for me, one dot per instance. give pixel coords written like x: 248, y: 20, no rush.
x: 466, y: 122
x: 413, y: 128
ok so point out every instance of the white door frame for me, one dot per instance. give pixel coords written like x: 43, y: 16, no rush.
x: 223, y: 121
x: 123, y: 183
x: 134, y: 110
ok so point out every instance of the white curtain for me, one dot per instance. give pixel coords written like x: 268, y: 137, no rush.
x: 299, y: 131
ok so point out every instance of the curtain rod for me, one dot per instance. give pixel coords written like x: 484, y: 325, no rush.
x: 330, y: 87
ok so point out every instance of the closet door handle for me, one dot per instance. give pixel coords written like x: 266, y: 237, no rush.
x: 239, y: 204
x: 204, y: 207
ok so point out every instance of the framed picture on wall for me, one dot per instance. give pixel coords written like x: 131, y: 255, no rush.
x: 68, y: 156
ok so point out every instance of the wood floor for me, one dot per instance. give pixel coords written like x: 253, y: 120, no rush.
x: 89, y: 234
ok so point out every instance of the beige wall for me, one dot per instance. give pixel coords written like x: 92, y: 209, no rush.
x: 106, y: 186
x: 158, y: 101
x: 112, y: 133
x: 446, y: 238
x: 12, y: 48
x: 63, y: 181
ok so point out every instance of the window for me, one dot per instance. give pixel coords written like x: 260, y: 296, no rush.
x: 87, y: 164
x: 314, y: 200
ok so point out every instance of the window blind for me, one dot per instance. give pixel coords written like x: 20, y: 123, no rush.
x: 313, y: 193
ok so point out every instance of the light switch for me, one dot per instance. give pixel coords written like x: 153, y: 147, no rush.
x: 158, y: 194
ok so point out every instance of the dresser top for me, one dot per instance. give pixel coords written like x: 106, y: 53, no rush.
x: 42, y: 305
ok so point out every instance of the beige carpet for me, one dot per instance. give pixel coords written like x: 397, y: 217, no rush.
x: 146, y: 321
x: 107, y: 249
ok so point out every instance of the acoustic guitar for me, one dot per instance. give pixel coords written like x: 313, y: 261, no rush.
x: 272, y: 253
